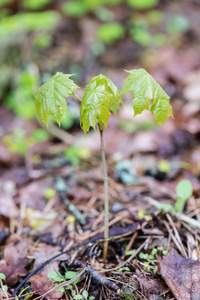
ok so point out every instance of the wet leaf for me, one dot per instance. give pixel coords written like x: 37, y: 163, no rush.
x: 95, y: 105
x: 50, y: 98
x: 116, y: 100
x: 145, y: 89
x: 101, y: 96
x: 181, y: 275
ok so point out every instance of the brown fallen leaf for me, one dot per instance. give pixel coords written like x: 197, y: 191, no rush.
x: 15, y: 262
x: 7, y: 206
x: 152, y: 288
x: 44, y: 252
x: 43, y: 284
x: 181, y: 275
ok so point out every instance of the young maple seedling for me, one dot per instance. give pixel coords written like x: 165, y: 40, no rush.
x: 101, y: 97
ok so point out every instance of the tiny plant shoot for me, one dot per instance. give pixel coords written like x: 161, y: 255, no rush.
x: 101, y: 97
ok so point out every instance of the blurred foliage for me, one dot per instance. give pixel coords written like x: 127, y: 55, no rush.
x: 74, y: 8
x: 177, y: 24
x: 110, y: 32
x: 144, y: 4
x: 17, y: 142
x: 74, y: 154
x: 2, y: 2
x: 36, y: 4
x: 131, y: 127
x: 12, y: 25
x: 20, y: 99
x: 79, y: 8
x: 28, y: 33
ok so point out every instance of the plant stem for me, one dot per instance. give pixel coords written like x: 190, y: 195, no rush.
x: 77, y: 97
x: 106, y: 202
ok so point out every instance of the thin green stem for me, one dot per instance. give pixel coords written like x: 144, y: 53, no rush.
x: 77, y: 97
x: 106, y: 202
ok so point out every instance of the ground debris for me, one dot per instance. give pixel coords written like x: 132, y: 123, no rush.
x: 181, y: 275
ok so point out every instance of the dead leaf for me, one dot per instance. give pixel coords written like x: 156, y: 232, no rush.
x: 15, y: 262
x: 43, y: 284
x: 33, y: 194
x: 44, y: 252
x: 7, y: 206
x: 181, y: 275
x: 152, y: 288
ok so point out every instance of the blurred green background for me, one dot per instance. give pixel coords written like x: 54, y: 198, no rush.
x: 40, y: 37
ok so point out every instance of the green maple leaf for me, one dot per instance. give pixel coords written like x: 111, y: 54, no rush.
x: 145, y: 89
x: 50, y: 97
x: 101, y: 96
x: 116, y: 100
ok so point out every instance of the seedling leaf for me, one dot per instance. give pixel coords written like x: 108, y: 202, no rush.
x: 184, y: 189
x: 78, y: 297
x: 50, y: 97
x: 85, y: 294
x: 100, y: 97
x: 116, y: 100
x: 55, y: 276
x: 2, y: 276
x: 145, y: 88
x: 71, y: 275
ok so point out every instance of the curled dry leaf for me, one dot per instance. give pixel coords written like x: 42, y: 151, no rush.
x: 181, y: 275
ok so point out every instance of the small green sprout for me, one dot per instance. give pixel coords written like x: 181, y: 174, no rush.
x: 184, y: 191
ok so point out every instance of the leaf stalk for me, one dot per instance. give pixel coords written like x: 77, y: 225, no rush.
x: 77, y: 97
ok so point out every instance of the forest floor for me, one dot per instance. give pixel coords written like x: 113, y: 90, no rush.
x: 52, y: 192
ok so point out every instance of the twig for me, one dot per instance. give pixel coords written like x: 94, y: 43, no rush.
x: 101, y: 280
x: 173, y: 237
x: 130, y: 243
x: 177, y: 235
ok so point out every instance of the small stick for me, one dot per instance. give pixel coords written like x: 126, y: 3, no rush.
x: 130, y: 243
x: 174, y: 238
x: 177, y: 235
x: 101, y: 280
